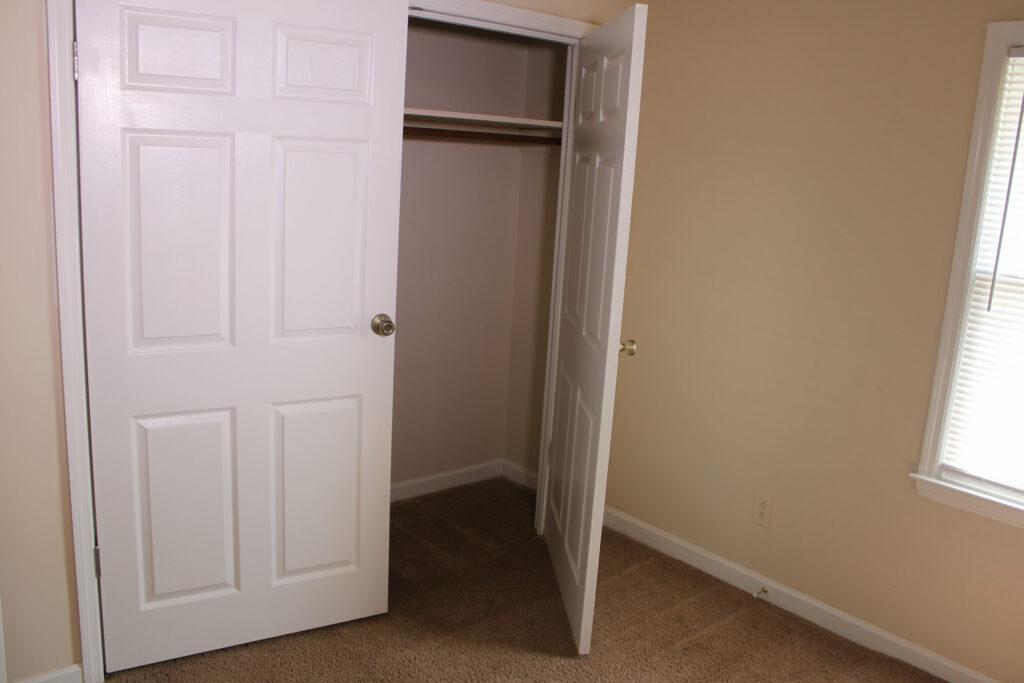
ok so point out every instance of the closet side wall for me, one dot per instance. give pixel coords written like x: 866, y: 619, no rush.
x: 531, y: 303
x: 544, y: 92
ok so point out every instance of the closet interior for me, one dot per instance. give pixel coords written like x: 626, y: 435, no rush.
x: 480, y: 189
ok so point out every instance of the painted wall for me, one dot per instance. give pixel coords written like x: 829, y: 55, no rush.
x: 36, y: 567
x: 798, y: 187
x: 455, y: 69
x: 474, y: 268
x: 456, y: 264
x: 475, y: 254
x: 531, y: 303
x: 798, y: 190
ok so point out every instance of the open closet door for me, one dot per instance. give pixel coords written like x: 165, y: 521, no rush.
x: 240, y: 170
x: 603, y: 156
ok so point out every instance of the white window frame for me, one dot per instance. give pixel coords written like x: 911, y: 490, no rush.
x: 950, y: 488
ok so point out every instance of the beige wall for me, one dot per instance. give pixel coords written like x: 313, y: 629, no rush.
x: 798, y: 189
x: 799, y: 178
x: 36, y: 570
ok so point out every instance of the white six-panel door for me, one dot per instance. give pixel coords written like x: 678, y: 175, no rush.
x: 602, y: 159
x: 240, y: 189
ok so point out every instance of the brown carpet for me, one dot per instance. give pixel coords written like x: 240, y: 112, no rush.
x: 474, y: 598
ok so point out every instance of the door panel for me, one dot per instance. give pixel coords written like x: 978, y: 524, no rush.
x: 319, y: 236
x: 180, y: 190
x: 188, y: 550
x: 317, y: 459
x: 240, y: 169
x: 610, y: 64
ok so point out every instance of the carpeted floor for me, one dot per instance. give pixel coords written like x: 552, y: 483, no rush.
x: 473, y: 598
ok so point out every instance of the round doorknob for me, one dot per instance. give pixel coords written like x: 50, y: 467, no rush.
x: 383, y: 325
x: 628, y: 347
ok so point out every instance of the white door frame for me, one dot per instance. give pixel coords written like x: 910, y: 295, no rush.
x: 60, y: 30
x: 60, y: 24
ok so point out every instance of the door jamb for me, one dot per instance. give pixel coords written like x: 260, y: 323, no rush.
x: 60, y: 24
x: 502, y: 18
x: 554, y: 319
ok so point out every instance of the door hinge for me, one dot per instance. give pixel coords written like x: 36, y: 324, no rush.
x: 96, y: 560
x: 74, y: 58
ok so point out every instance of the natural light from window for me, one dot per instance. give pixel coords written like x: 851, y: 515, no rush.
x: 984, y: 437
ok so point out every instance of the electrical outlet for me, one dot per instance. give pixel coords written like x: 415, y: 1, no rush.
x: 762, y: 511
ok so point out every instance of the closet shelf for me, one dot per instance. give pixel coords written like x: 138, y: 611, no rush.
x: 458, y: 118
x: 431, y: 123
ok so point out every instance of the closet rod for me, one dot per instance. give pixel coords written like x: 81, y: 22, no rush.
x: 419, y: 132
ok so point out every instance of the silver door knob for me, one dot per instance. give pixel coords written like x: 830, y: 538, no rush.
x: 383, y: 325
x: 628, y: 347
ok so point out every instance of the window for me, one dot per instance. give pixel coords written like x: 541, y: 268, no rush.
x: 973, y: 455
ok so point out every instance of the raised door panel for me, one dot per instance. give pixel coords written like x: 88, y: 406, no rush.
x: 181, y: 228
x: 320, y: 235
x: 189, y: 544
x: 317, y: 462
x: 323, y: 65
x: 177, y: 51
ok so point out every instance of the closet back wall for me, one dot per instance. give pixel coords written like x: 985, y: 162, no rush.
x: 474, y: 263
x: 476, y: 240
x: 460, y: 69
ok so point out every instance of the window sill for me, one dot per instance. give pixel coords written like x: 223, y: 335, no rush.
x: 1005, y: 507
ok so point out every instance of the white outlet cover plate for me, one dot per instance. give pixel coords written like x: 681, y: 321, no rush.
x: 761, y: 513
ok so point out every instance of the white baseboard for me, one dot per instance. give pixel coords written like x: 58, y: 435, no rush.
x: 67, y: 674
x: 492, y: 469
x: 815, y: 611
x: 3, y: 656
x: 517, y: 474
x: 433, y: 483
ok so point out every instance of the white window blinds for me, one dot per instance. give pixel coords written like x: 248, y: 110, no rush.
x: 984, y: 435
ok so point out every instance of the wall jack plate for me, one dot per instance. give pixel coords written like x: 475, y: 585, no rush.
x: 762, y: 510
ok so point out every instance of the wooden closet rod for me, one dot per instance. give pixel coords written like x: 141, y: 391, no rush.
x: 484, y: 136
